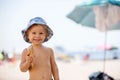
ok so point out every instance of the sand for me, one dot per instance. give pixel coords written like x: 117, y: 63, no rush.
x: 75, y: 70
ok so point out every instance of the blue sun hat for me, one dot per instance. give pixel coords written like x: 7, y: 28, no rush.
x: 37, y: 20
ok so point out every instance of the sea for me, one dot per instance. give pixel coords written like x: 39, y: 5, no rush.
x: 96, y: 55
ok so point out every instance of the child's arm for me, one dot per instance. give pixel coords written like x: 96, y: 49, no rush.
x: 25, y: 61
x: 54, y: 67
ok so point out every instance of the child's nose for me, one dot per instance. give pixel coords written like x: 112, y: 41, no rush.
x: 37, y: 35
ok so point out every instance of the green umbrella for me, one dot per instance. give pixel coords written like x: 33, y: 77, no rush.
x: 103, y: 15
x: 91, y: 17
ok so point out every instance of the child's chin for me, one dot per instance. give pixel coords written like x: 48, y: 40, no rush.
x: 38, y: 42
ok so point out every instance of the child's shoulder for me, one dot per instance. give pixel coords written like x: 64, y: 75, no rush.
x: 48, y: 48
x: 24, y: 51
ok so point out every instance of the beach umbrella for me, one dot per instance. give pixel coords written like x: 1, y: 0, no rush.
x: 103, y: 15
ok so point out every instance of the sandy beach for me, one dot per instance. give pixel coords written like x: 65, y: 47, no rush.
x: 75, y: 70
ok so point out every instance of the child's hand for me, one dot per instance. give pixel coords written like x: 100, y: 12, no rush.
x: 29, y: 58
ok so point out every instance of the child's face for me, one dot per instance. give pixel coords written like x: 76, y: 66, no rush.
x: 36, y: 34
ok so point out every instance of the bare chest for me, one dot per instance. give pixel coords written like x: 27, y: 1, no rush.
x: 41, y: 58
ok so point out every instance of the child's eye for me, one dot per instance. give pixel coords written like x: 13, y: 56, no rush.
x: 41, y: 33
x: 33, y: 32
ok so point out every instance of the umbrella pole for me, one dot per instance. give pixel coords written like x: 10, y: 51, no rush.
x: 105, y: 43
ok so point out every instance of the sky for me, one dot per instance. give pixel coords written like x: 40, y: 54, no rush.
x: 15, y: 14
